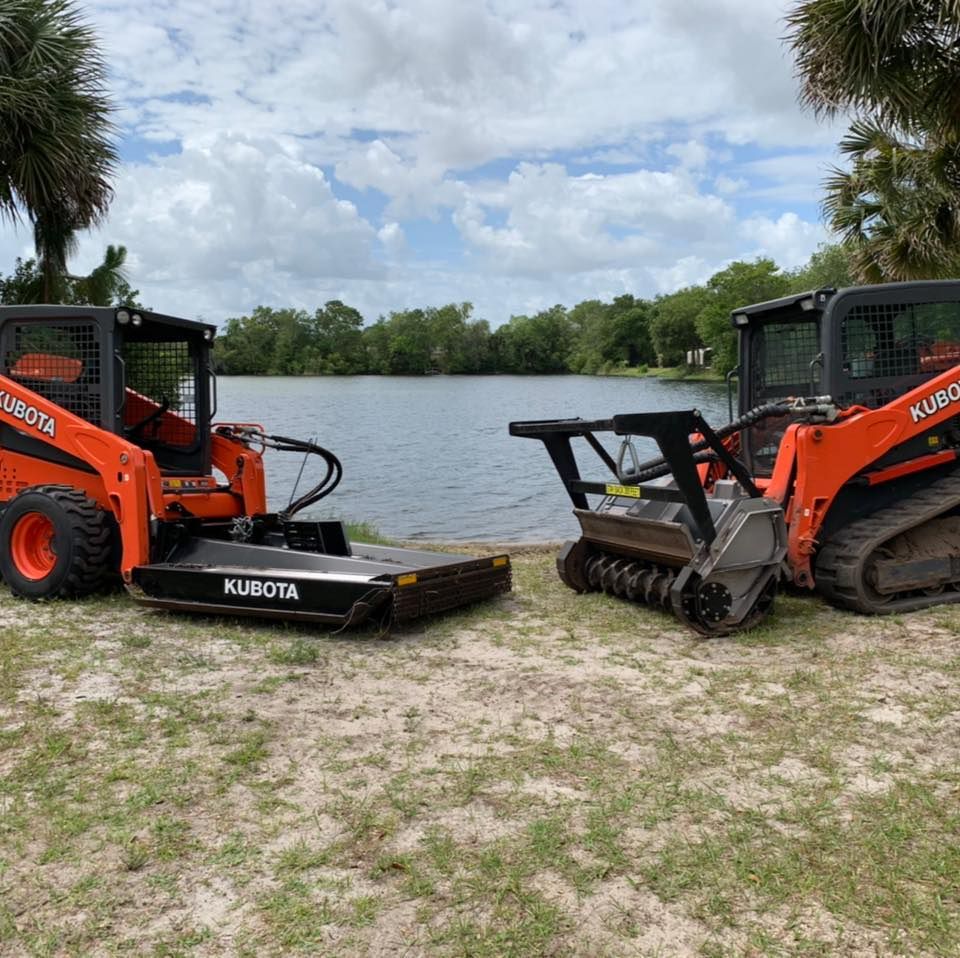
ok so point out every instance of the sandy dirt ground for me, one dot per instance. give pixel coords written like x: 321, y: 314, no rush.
x: 547, y: 774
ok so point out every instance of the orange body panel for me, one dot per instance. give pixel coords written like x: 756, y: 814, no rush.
x: 823, y: 458
x: 125, y: 479
x: 47, y: 367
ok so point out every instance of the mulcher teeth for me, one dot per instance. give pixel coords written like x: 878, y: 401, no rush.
x: 646, y: 582
x: 631, y: 579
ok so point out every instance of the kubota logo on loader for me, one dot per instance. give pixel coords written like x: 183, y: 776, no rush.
x: 261, y: 589
x: 28, y: 414
x: 931, y: 404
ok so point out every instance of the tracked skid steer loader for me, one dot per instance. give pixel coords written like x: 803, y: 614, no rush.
x: 110, y: 464
x: 839, y: 475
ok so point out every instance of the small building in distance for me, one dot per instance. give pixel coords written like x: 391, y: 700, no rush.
x: 699, y: 357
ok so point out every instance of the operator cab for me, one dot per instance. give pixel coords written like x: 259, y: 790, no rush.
x: 861, y: 345
x: 138, y: 374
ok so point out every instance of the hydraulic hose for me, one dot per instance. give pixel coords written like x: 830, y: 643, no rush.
x: 663, y: 469
x: 330, y: 480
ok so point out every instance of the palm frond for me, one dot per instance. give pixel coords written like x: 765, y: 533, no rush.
x: 893, y: 59
x: 57, y: 151
x: 99, y: 287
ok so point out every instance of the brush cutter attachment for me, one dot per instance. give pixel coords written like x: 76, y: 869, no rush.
x: 276, y: 566
x: 288, y: 575
x: 655, y: 535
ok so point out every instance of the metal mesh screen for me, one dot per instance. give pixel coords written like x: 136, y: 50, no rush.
x: 782, y: 353
x: 160, y: 402
x: 891, y: 340
x: 60, y: 362
x: 781, y: 357
x: 871, y: 398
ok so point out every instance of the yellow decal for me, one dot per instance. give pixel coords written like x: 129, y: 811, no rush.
x: 933, y: 441
x: 408, y: 579
x: 631, y: 492
x: 499, y: 561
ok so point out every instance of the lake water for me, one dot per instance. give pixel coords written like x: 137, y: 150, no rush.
x: 430, y: 458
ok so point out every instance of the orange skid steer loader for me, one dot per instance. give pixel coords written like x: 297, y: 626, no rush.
x: 110, y: 464
x: 840, y: 474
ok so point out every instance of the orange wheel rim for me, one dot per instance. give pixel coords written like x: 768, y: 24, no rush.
x: 31, y: 546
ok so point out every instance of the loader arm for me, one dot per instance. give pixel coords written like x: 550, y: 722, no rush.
x: 671, y: 431
x: 834, y: 455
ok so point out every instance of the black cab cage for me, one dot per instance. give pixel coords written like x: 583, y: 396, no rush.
x: 860, y: 345
x: 135, y: 373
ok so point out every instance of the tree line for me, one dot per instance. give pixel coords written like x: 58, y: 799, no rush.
x: 590, y: 337
x: 890, y: 64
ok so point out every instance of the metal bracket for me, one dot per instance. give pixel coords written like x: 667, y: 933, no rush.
x: 670, y: 430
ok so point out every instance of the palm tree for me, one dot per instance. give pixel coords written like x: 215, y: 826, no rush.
x: 102, y: 286
x: 106, y: 285
x: 896, y: 60
x: 897, y: 207
x: 894, y: 65
x: 56, y: 150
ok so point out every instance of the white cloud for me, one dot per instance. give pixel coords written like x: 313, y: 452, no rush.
x: 692, y: 155
x: 16, y: 239
x: 688, y: 271
x: 728, y: 185
x: 240, y: 218
x: 788, y: 239
x: 394, y: 240
x: 415, y: 189
x: 788, y: 177
x: 474, y: 115
x: 556, y: 222
x: 468, y: 82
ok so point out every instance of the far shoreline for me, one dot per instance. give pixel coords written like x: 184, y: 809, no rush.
x: 690, y: 374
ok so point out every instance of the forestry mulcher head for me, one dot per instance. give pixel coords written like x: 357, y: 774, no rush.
x: 110, y: 464
x: 656, y: 536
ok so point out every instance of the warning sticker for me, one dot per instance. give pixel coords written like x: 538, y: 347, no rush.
x: 631, y: 492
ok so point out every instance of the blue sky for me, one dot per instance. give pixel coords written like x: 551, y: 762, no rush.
x: 417, y: 152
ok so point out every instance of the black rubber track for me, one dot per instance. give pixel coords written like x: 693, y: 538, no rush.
x: 90, y: 554
x: 842, y: 564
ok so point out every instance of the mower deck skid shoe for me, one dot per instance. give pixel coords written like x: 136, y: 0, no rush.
x: 387, y: 584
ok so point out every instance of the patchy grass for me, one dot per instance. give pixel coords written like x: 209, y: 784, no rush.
x: 550, y: 774
x: 366, y: 532
x: 691, y: 374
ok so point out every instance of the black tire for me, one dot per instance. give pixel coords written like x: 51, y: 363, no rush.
x: 80, y: 551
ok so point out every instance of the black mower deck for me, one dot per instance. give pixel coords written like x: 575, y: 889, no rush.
x: 389, y: 584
